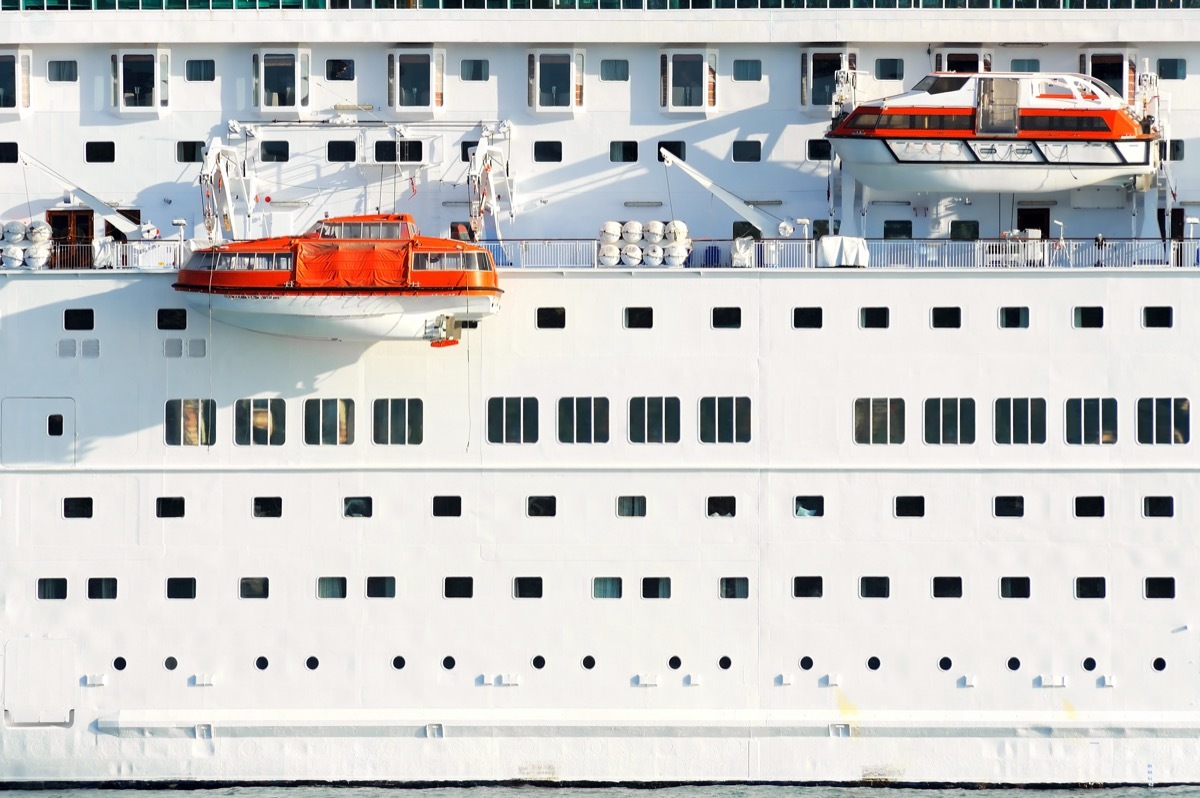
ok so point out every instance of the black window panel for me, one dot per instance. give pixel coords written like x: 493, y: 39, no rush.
x: 458, y: 587
x: 357, y: 507
x: 1158, y: 506
x: 622, y: 151
x: 273, y: 151
x: 527, y: 587
x: 168, y: 507
x: 200, y: 70
x: 1089, y: 317
x: 947, y: 587
x: 808, y: 586
x: 268, y: 506
x: 656, y: 587
x: 102, y: 587
x: 551, y: 318
x: 254, y: 587
x: 820, y: 150
x: 726, y: 318
x: 339, y: 69
x: 77, y: 507
x: 875, y: 587
x: 947, y: 317
x: 464, y: 150
x: 910, y: 506
x: 9, y: 152
x: 100, y: 152
x: 874, y: 318
x: 547, y: 151
x: 54, y: 425
x: 449, y: 506
x: 385, y: 151
x: 1089, y: 506
x: 341, y: 151
x: 1014, y: 317
x: 542, y: 506
x: 810, y: 506
x: 172, y: 319
x: 747, y: 151
x: 639, y: 318
x: 1090, y: 587
x: 79, y: 319
x: 1010, y: 506
x: 181, y: 587
x: 189, y: 151
x: 1158, y: 316
x: 1015, y: 587
x: 1160, y: 587
x: 722, y: 506
x: 52, y: 588
x: 675, y: 148
x: 381, y: 587
x: 807, y: 318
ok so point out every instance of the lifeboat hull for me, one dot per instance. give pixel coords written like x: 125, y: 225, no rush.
x: 1020, y: 166
x: 347, y: 317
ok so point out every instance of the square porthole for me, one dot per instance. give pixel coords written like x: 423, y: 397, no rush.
x: 631, y: 506
x: 1009, y: 506
x: 102, y: 588
x: 77, y: 507
x: 1156, y: 587
x: 734, y: 587
x: 1158, y: 316
x: 527, y: 587
x: 1090, y: 587
x: 172, y: 318
x: 551, y: 318
x: 458, y: 587
x: 75, y: 319
x: 947, y: 587
x: 807, y: 318
x: 946, y: 318
x: 52, y: 588
x: 1014, y: 587
x: 331, y: 587
x: 1014, y: 317
x: 639, y: 318
x: 181, y: 587
x: 721, y: 506
x: 1088, y: 317
x: 1158, y: 506
x: 808, y: 586
x: 874, y: 318
x: 656, y: 587
x: 809, y: 506
x: 728, y: 318
x: 267, y: 506
x: 447, y: 506
x: 1089, y: 506
x: 358, y: 507
x: 606, y: 587
x: 541, y: 506
x: 910, y: 506
x: 168, y: 507
x: 254, y: 587
x: 381, y: 587
x: 875, y: 587
x: 54, y: 425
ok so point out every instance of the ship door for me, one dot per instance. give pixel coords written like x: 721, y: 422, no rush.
x: 997, y: 107
x: 1034, y: 219
x: 72, y: 233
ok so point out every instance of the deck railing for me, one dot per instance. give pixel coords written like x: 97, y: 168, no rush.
x: 770, y: 254
x: 582, y: 5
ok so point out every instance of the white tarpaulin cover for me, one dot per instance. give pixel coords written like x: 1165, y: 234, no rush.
x: 841, y: 251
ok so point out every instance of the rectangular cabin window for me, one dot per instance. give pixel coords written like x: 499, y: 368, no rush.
x: 654, y: 419
x: 101, y: 588
x: 62, y: 71
x: 341, y: 151
x: 747, y: 69
x: 947, y: 587
x: 656, y: 587
x: 202, y: 70
x: 687, y: 80
x: 413, y: 78
x: 259, y: 422
x: 631, y: 506
x: 331, y: 587
x: 622, y: 151
x: 279, y: 80
x: 190, y: 422
x: 583, y: 419
x: 254, y: 587
x: 51, y: 588
x: 381, y: 587
x: 181, y: 587
x: 267, y: 507
x: 554, y: 80
x: 1172, y: 68
x: 950, y: 421
x: 823, y: 76
x: 1158, y: 506
x: 809, y: 506
x: 606, y: 587
x: 1020, y: 421
x: 1025, y: 65
x: 879, y: 421
x: 8, y: 81
x: 273, y: 151
x: 614, y: 70
x: 328, y: 422
x: 512, y: 419
x: 1156, y: 587
x: 137, y: 80
x: 808, y: 587
x: 734, y: 587
x: 189, y: 151
x: 1091, y: 421
x: 473, y: 70
x: 1014, y: 587
x: 169, y: 507
x: 889, y: 69
x: 339, y: 69
x: 725, y: 419
x: 398, y: 422
x: 1163, y: 420
x: 77, y: 507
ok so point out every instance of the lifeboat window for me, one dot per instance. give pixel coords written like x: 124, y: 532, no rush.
x: 398, y: 421
x: 381, y: 587
x: 190, y: 422
x: 1158, y: 506
x: 863, y: 120
x: 656, y: 587
x: 1166, y: 420
x: 527, y: 587
x: 102, y: 587
x: 889, y: 69
x: 1157, y: 316
x: 941, y: 84
x: 458, y: 587
x: 734, y: 587
x: 879, y: 421
x: 947, y: 587
x: 328, y: 422
x: 350, y: 230
x: 512, y: 419
x: 875, y: 587
x: 447, y: 506
x: 808, y: 587
x: 358, y: 507
x: 1172, y: 68
x: 809, y: 506
x: 910, y: 507
x: 551, y: 318
x: 725, y: 419
x: 1091, y: 421
x: 1156, y: 587
x: 1090, y: 587
x: 820, y: 150
x: 181, y: 587
x: 77, y: 507
x: 437, y: 261
x: 331, y: 587
x: 631, y: 506
x: 721, y: 506
x: 52, y: 588
x: 1014, y: 587
x: 1025, y: 65
x: 583, y: 419
x: 1008, y: 506
x: 267, y: 507
x: 172, y: 319
x: 1067, y: 123
x: 1020, y: 421
x: 168, y: 507
x: 341, y: 151
x: 654, y: 419
x: 639, y: 318
x: 259, y: 422
x: 273, y: 151
x: 606, y: 587
x: 254, y: 587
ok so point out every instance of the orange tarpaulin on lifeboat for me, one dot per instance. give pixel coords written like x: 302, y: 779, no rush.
x: 342, y: 264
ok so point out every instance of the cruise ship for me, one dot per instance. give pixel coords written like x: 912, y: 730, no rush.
x: 599, y: 391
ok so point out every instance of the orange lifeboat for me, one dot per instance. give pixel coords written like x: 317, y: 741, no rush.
x: 360, y: 278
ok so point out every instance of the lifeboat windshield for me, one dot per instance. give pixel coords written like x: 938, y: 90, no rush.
x: 940, y: 84
x: 366, y: 230
x: 451, y: 261
x: 242, y: 261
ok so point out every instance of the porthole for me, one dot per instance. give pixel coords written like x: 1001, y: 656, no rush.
x: 398, y: 663
x: 261, y: 663
x: 945, y: 664
x: 1160, y: 664
x: 539, y: 662
x: 312, y: 663
x: 873, y: 663
x: 448, y: 663
x: 674, y: 662
x: 588, y: 662
x: 119, y: 664
x: 806, y: 663
x: 1014, y: 664
x: 170, y: 663
x: 1089, y: 664
x: 725, y: 663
